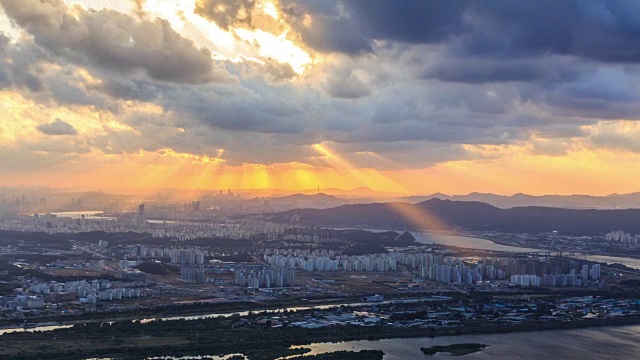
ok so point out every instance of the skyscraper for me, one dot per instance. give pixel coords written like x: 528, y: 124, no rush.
x: 141, y: 212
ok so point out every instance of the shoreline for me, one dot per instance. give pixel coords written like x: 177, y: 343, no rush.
x: 196, y: 337
x: 594, y: 323
x: 291, y: 339
x: 476, y: 236
x: 520, y: 245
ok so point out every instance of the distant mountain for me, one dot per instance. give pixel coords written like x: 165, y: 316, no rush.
x: 320, y: 200
x: 613, y: 201
x: 437, y: 214
x: 360, y: 191
x: 304, y: 197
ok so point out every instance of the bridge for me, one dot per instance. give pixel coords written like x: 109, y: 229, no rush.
x: 556, y: 253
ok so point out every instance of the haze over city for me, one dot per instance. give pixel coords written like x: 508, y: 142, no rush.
x: 412, y: 98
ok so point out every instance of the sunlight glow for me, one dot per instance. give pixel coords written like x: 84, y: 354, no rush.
x: 418, y: 217
x: 276, y: 47
x: 270, y: 9
x: 380, y: 159
x: 368, y: 177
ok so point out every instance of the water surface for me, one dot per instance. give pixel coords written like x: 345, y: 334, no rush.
x: 579, y: 344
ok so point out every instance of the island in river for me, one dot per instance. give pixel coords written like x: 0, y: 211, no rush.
x: 454, y: 349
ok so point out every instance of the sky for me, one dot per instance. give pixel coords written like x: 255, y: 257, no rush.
x: 412, y: 96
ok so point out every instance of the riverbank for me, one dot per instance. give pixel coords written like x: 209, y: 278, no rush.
x: 465, y: 240
x: 258, y: 336
x: 125, y: 346
x: 618, y: 342
x: 208, y: 310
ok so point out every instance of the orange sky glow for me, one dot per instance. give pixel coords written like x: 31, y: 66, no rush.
x: 202, y: 95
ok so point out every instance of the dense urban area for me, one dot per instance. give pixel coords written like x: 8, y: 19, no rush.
x: 165, y: 279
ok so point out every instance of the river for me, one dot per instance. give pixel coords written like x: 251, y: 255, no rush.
x: 484, y: 244
x: 573, y: 344
x: 467, y: 242
x: 591, y: 343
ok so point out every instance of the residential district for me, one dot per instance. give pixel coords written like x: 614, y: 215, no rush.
x: 64, y: 268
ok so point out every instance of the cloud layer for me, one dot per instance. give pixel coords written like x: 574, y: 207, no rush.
x: 388, y: 85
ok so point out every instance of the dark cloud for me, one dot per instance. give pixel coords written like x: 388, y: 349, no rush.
x: 130, y: 88
x: 411, y: 21
x: 20, y: 68
x: 600, y: 30
x: 482, y: 71
x: 57, y: 127
x: 44, y: 77
x: 350, y: 27
x: 114, y: 40
x: 428, y: 131
x: 593, y: 92
x: 256, y: 107
x: 324, y: 26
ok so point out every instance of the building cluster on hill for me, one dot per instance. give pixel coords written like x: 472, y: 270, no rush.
x: 622, y: 237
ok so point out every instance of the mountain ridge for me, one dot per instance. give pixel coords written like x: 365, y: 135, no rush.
x: 575, y: 201
x: 438, y: 214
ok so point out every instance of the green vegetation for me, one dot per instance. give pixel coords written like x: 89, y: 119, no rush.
x: 630, y: 283
x: 454, y: 349
x: 32, y: 240
x: 219, y: 336
x: 9, y: 272
x: 156, y: 268
x: 345, y: 355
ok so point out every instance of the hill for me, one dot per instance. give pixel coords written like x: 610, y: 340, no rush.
x: 156, y: 268
x: 613, y: 201
x: 437, y: 214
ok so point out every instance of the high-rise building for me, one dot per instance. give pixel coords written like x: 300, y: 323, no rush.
x: 193, y: 274
x: 584, y: 272
x: 595, y: 272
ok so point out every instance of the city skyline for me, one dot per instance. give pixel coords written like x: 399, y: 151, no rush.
x: 454, y: 97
